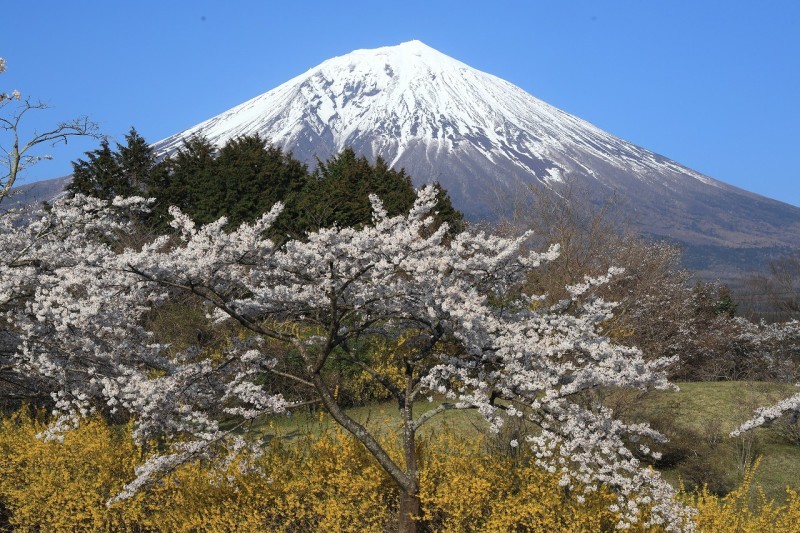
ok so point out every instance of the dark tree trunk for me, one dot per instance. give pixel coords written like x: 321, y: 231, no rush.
x: 410, y: 512
x: 407, y: 481
x: 410, y: 505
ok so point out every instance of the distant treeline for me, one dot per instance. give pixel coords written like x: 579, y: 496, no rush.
x: 244, y: 179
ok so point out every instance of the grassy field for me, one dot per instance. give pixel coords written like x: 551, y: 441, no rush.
x: 700, y: 417
x: 697, y: 419
x: 381, y: 418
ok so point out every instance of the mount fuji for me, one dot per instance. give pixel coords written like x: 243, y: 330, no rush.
x: 441, y: 120
x: 486, y: 140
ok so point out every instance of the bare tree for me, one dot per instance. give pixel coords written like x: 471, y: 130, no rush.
x: 19, y: 154
x: 775, y: 296
x: 653, y: 295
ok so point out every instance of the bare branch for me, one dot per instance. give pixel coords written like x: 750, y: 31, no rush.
x: 441, y: 408
x: 17, y: 152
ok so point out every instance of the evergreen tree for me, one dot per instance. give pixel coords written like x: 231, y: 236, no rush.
x: 99, y: 175
x: 338, y: 194
x: 245, y: 179
x: 445, y: 212
x: 256, y: 175
x: 338, y: 191
x: 108, y: 173
x: 189, y: 180
x: 725, y: 304
x: 136, y: 160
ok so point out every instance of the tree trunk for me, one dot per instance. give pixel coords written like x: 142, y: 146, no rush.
x: 410, y: 504
x: 410, y: 512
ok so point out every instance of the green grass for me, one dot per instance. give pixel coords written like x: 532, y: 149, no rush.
x: 724, y: 403
x: 701, y: 416
x: 383, y: 419
x: 698, y: 419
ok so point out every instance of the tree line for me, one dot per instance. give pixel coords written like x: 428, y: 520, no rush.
x: 243, y: 179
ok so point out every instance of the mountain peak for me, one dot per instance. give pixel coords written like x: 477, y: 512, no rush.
x: 410, y: 49
x: 403, y: 62
x: 410, y: 101
x: 414, y: 44
x: 403, y: 94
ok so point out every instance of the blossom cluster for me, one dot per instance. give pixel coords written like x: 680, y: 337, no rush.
x: 15, y: 94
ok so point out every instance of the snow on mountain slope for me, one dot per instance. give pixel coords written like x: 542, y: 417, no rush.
x: 484, y: 140
x: 395, y: 99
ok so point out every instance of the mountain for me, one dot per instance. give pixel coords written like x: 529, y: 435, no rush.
x: 36, y: 193
x: 442, y: 120
x: 486, y: 140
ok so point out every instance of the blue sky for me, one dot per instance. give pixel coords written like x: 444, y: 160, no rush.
x: 714, y: 85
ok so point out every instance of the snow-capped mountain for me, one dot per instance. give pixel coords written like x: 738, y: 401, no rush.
x: 477, y: 134
x: 485, y: 139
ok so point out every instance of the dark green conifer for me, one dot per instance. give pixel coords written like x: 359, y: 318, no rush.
x: 338, y: 194
x: 108, y: 173
x: 338, y: 191
x: 445, y: 212
x: 99, y: 174
x: 192, y: 182
x: 245, y: 179
x: 136, y: 161
x: 256, y: 176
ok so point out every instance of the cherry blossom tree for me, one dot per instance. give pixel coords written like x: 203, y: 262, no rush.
x: 772, y: 339
x: 19, y: 153
x: 42, y: 250
x: 475, y: 339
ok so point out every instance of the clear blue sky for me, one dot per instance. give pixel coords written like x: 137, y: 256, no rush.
x: 714, y: 85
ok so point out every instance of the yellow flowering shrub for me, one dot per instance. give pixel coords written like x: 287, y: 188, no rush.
x: 386, y: 359
x: 466, y: 489
x: 325, y: 483
x: 320, y: 483
x: 744, y: 512
x: 52, y: 486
